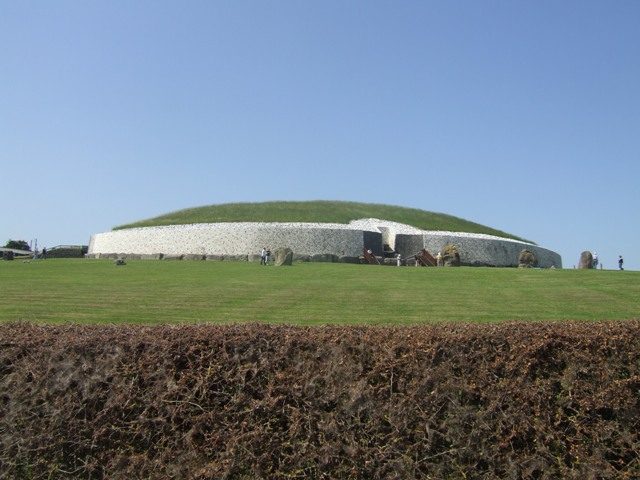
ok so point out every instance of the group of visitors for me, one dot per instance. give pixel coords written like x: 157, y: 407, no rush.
x: 265, y: 254
x: 42, y: 255
x: 596, y: 261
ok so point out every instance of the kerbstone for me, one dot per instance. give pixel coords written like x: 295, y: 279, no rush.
x: 193, y: 256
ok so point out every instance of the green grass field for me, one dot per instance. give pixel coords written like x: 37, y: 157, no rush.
x: 148, y: 292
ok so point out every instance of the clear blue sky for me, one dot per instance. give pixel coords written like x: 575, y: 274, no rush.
x: 524, y: 116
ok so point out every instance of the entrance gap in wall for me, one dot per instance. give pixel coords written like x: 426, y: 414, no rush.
x: 388, y: 241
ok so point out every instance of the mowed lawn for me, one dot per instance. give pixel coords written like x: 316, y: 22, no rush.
x: 148, y: 292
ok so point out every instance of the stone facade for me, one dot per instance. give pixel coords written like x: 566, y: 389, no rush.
x: 237, y: 239
x: 477, y: 249
x: 310, y: 240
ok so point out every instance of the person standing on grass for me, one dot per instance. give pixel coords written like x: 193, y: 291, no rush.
x: 263, y: 256
x: 620, y: 262
x: 595, y: 260
x: 398, y: 260
x: 266, y: 258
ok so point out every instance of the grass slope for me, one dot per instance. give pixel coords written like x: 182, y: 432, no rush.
x: 97, y: 291
x: 316, y: 211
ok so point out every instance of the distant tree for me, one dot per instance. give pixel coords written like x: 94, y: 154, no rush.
x: 18, y: 245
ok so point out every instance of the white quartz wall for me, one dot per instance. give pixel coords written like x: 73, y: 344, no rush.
x: 477, y: 249
x: 231, y: 239
x: 314, y: 238
x: 389, y: 230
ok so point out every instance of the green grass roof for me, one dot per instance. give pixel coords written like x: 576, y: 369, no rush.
x: 317, y: 211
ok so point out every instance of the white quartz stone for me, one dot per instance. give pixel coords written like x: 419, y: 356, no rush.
x: 245, y: 238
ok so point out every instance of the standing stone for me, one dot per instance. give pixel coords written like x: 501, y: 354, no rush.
x: 283, y: 256
x: 586, y: 260
x: 450, y: 256
x: 527, y: 259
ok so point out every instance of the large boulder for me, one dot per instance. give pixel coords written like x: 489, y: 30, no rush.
x: 527, y: 259
x: 283, y: 256
x: 450, y: 256
x: 586, y: 260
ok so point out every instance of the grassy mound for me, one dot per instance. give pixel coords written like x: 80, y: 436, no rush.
x: 452, y: 401
x: 317, y: 211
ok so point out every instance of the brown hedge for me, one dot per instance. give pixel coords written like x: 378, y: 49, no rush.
x: 513, y: 400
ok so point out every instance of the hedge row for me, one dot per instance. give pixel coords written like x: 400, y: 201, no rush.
x: 251, y: 401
